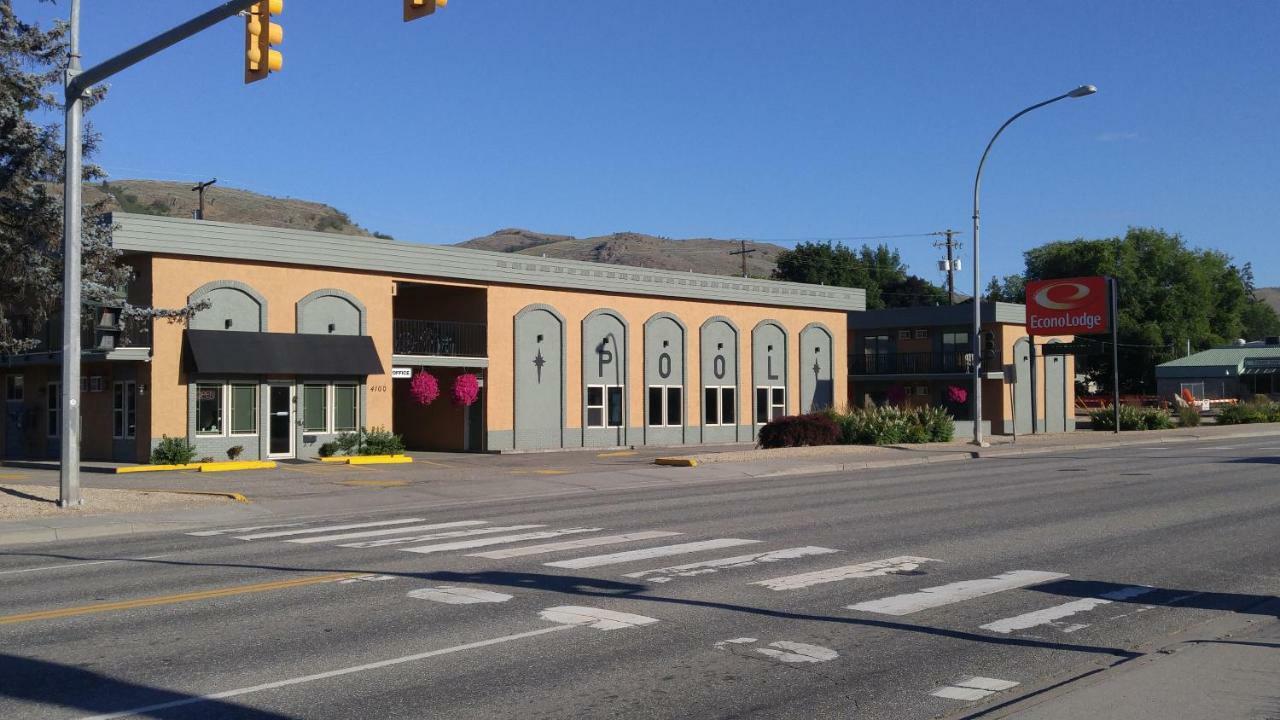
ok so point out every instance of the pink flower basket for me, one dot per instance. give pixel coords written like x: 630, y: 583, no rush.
x: 425, y: 388
x: 957, y: 395
x: 466, y: 389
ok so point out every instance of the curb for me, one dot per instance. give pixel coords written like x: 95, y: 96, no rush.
x: 676, y: 462
x: 368, y: 460
x: 238, y: 497
x: 224, y: 466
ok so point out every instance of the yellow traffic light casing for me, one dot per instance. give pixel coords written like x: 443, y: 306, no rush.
x: 260, y: 38
x: 414, y: 9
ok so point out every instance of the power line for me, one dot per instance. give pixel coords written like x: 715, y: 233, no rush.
x: 841, y: 238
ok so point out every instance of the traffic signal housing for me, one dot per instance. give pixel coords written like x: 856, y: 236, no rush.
x: 414, y: 9
x: 988, y: 346
x: 261, y: 36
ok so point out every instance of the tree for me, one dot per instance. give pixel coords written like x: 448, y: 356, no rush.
x: 879, y: 270
x: 31, y: 167
x: 1169, y: 293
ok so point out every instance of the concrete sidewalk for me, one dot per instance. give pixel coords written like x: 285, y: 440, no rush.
x: 1231, y: 676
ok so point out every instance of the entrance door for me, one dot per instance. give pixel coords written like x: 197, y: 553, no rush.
x: 14, y: 432
x: 280, y: 422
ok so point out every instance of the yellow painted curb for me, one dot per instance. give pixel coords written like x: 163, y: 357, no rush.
x: 676, y: 462
x: 378, y: 459
x: 338, y: 459
x: 229, y: 495
x: 156, y: 468
x: 238, y: 465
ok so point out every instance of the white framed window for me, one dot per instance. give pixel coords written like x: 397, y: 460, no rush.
x: 315, y: 408
x: 720, y: 405
x: 14, y: 388
x: 904, y: 334
x: 54, y: 410
x: 771, y: 403
x: 244, y: 408
x: 922, y: 333
x: 209, y: 409
x: 124, y: 412
x: 665, y: 405
x: 955, y: 340
x: 922, y: 390
x: 346, y: 408
x: 604, y: 406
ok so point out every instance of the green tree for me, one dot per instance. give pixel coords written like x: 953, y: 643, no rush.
x: 1169, y: 293
x: 879, y: 270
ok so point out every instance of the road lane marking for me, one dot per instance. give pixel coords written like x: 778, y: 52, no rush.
x: 1049, y: 615
x: 648, y: 553
x: 450, y: 595
x: 366, y: 578
x: 387, y: 531
x: 874, y: 568
x: 667, y: 574
x: 500, y: 540
x: 329, y: 528
x: 44, y: 568
x: 172, y: 599
x: 974, y: 688
x: 228, y: 531
x: 437, y: 536
x: 617, y: 454
x: 796, y: 652
x: 935, y: 597
x: 596, y: 618
x: 573, y: 544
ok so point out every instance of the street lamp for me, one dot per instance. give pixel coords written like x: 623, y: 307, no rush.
x: 1081, y: 91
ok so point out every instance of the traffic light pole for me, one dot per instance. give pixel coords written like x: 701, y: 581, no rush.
x: 77, y: 83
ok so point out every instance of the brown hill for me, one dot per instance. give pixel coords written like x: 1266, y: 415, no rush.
x: 1271, y: 295
x: 173, y: 199
x: 705, y: 255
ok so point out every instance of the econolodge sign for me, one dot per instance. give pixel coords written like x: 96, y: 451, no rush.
x: 1068, y: 306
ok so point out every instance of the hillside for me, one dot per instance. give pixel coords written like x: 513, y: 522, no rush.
x: 705, y: 255
x: 1271, y: 295
x: 173, y: 199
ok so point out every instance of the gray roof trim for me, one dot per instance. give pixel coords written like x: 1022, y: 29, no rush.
x: 203, y: 238
x: 1007, y: 313
x: 439, y: 361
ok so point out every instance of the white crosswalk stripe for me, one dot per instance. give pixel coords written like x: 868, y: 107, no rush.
x: 648, y: 553
x: 328, y: 528
x: 573, y: 544
x: 500, y: 540
x: 941, y: 595
x: 1050, y: 615
x: 874, y: 568
x: 390, y: 531
x: 411, y: 539
x: 667, y: 574
x: 228, y: 531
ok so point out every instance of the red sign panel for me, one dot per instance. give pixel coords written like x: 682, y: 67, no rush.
x: 1069, y: 306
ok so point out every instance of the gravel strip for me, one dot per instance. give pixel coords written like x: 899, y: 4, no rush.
x: 28, y: 501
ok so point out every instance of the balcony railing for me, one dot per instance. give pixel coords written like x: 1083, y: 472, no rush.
x: 915, y: 363
x: 439, y: 337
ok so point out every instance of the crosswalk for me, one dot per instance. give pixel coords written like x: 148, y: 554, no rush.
x: 578, y: 548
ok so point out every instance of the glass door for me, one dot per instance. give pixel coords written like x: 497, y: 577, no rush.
x: 280, y: 421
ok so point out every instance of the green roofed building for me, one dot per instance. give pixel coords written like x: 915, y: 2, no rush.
x: 1236, y: 371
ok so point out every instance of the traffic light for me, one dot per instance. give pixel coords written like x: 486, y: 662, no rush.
x: 260, y: 37
x: 988, y: 346
x: 414, y: 9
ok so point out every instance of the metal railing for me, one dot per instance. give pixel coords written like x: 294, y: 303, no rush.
x: 439, y: 337
x: 915, y: 363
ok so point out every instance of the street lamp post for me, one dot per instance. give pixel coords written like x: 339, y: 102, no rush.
x: 1081, y: 91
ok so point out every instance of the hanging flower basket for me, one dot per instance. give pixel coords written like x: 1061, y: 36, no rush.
x: 425, y: 388
x: 957, y: 395
x: 466, y: 389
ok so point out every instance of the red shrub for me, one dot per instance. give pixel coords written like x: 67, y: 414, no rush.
x: 800, y: 431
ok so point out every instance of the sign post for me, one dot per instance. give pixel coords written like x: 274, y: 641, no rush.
x: 1078, y: 306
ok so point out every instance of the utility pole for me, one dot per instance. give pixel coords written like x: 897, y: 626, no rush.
x: 950, y: 265
x: 744, y: 252
x: 199, y: 188
x: 69, y: 403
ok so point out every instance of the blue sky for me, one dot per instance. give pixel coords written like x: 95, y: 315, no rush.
x: 725, y: 118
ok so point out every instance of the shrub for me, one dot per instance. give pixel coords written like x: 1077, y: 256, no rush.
x: 173, y: 451
x: 207, y: 459
x: 799, y: 431
x: 1188, y: 416
x: 891, y: 425
x: 378, y: 441
x: 1257, y: 411
x: 234, y: 452
x: 1131, y: 418
x: 328, y: 449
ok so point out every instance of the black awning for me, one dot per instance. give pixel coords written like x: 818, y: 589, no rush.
x: 226, y: 352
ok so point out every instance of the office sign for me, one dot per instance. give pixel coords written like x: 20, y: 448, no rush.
x: 401, y: 373
x: 1068, y: 306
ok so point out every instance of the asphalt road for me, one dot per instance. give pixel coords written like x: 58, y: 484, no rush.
x: 880, y: 595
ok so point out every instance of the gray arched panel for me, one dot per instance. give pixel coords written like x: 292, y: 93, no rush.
x: 664, y: 366
x: 817, y: 381
x: 1022, y: 389
x: 719, y: 368
x: 604, y: 363
x: 768, y: 370
x: 233, y: 306
x: 331, y: 312
x: 539, y: 378
x: 1055, y: 393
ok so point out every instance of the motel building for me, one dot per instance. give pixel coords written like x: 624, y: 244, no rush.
x: 308, y: 335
